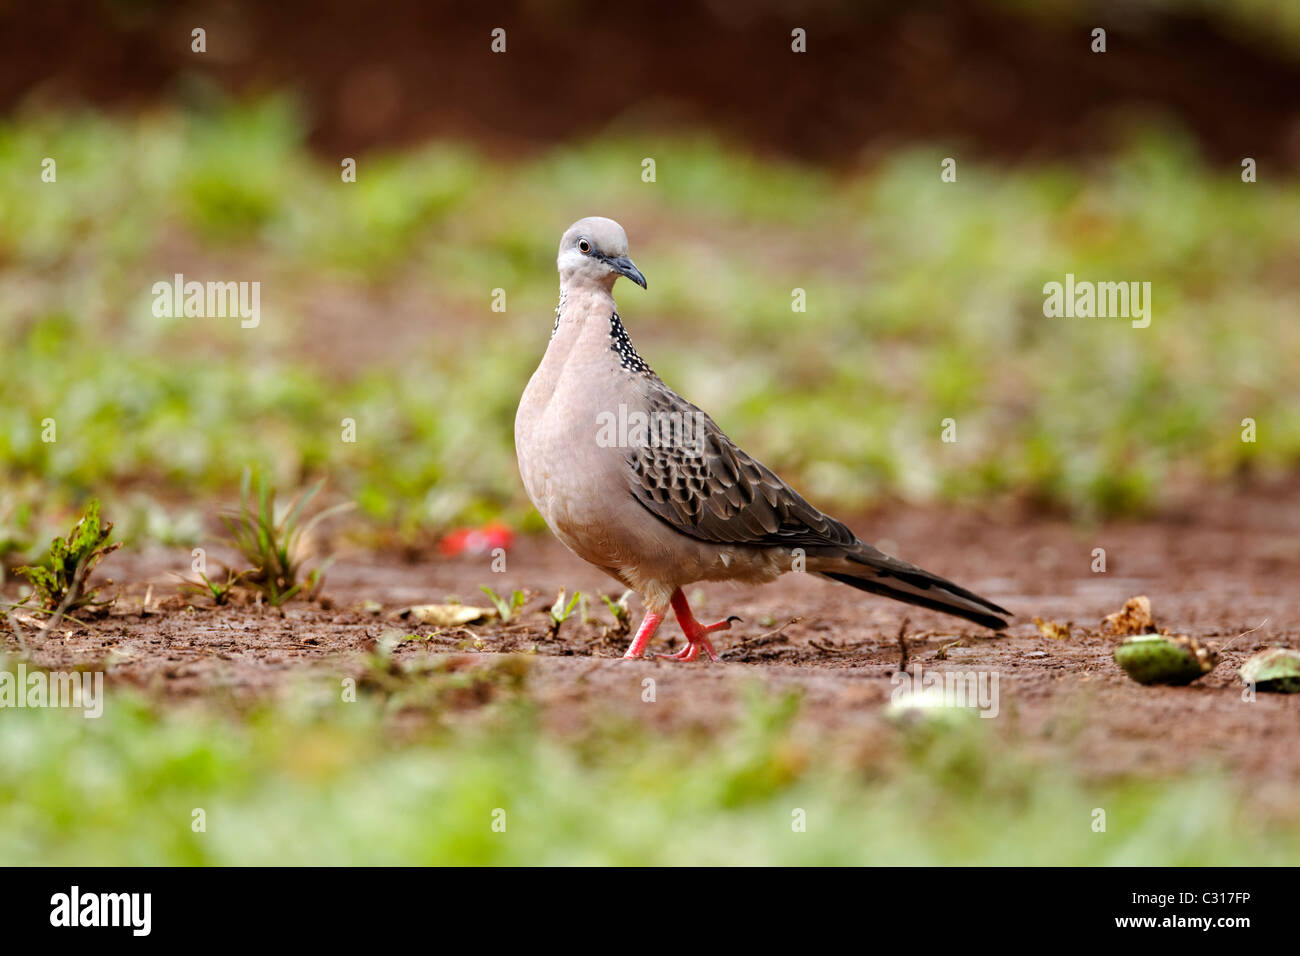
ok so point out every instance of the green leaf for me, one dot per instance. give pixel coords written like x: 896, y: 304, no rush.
x: 71, y: 559
x: 619, y: 609
x: 559, y: 611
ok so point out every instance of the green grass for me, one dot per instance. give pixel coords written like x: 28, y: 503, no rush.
x: 316, y: 780
x: 59, y: 579
x: 924, y: 302
x: 270, y: 536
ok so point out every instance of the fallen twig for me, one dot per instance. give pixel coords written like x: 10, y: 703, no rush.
x: 1243, y: 634
x: 770, y: 637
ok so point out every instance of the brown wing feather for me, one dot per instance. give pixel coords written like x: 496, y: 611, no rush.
x: 699, y: 481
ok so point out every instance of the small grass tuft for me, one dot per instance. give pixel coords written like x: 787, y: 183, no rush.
x: 506, y: 607
x: 619, y: 608
x: 276, y: 547
x: 219, y: 591
x: 60, y: 580
x: 559, y: 611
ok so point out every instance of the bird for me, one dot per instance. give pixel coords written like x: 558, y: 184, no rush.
x: 644, y: 485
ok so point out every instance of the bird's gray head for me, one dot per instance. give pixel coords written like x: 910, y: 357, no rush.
x: 594, y: 250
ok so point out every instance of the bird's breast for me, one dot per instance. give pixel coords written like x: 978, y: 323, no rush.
x: 563, y: 458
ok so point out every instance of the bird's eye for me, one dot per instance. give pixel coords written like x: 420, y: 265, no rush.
x: 584, y: 246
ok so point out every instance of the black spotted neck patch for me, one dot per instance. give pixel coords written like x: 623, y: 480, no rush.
x: 622, y: 346
x: 559, y: 307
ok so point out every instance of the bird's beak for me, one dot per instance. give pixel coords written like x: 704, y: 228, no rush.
x: 626, y: 267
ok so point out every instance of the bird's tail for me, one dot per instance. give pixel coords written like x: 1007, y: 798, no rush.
x: 869, y: 569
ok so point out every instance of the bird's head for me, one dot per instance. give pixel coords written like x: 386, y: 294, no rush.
x: 594, y: 250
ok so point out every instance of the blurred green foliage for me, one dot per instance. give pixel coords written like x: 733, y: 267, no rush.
x: 924, y: 302
x: 317, y: 781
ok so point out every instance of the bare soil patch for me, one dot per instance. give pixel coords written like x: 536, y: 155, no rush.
x: 1215, y: 572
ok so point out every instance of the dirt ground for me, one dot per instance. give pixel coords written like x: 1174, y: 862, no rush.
x: 1222, y: 568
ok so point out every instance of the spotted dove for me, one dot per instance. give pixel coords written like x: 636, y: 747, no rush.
x: 641, y: 483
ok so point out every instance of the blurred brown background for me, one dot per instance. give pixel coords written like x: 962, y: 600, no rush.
x: 1012, y: 81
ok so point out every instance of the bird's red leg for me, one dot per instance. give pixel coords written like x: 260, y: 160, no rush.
x: 649, y: 624
x: 696, y: 633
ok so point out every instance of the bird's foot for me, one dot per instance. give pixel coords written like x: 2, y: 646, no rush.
x: 692, y: 649
x: 649, y: 624
x: 696, y: 633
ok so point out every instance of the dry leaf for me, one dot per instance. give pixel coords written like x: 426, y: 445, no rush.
x: 1134, y: 618
x: 1054, y: 629
x: 445, y: 615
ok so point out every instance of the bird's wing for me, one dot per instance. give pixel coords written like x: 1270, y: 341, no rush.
x: 691, y: 475
x: 701, y: 483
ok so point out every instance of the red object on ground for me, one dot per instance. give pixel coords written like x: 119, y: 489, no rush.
x: 476, y: 541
